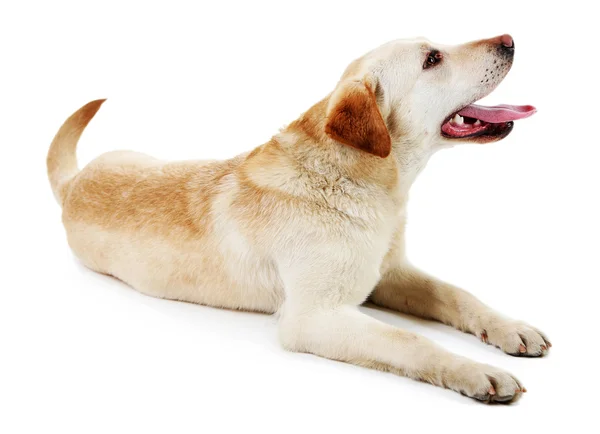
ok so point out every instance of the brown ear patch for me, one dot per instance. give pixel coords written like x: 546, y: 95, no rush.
x: 355, y: 120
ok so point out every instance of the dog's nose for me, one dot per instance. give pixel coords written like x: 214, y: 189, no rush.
x: 507, y: 41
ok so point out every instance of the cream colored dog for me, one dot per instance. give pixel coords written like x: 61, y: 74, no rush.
x: 311, y: 224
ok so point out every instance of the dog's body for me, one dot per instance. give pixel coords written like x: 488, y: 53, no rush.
x: 310, y: 224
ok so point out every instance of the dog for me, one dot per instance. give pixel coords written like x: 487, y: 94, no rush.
x: 310, y: 225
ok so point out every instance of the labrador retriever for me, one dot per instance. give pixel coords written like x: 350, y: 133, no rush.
x: 310, y: 225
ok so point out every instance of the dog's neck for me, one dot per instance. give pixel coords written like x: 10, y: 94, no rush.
x: 307, y: 143
x: 302, y: 161
x: 412, y: 157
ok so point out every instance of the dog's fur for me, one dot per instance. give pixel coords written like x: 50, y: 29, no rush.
x: 310, y: 224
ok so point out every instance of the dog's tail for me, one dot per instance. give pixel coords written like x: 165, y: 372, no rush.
x: 62, y: 161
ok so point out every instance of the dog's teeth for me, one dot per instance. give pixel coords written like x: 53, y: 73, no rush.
x: 477, y: 123
x: 458, y: 119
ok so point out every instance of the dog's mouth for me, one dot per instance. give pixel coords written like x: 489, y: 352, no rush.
x: 490, y: 123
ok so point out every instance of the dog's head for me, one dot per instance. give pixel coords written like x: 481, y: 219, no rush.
x: 421, y: 94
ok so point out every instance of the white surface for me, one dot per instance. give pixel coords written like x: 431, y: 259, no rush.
x: 514, y: 222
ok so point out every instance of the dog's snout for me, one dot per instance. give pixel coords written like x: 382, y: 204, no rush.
x: 503, y: 44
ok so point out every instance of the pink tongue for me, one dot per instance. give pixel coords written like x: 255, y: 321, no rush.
x: 498, y: 114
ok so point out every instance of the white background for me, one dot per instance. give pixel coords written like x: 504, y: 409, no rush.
x: 514, y: 222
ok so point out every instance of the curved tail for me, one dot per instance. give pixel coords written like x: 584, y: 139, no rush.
x: 62, y: 161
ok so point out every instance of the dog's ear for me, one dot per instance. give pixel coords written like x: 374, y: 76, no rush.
x: 354, y: 119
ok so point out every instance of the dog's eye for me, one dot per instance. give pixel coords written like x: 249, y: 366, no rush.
x: 433, y: 58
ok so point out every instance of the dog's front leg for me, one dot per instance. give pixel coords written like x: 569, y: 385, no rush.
x: 406, y: 289
x: 320, y: 316
x: 344, y: 333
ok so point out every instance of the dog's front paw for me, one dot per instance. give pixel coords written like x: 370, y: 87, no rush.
x: 516, y: 338
x: 486, y: 383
